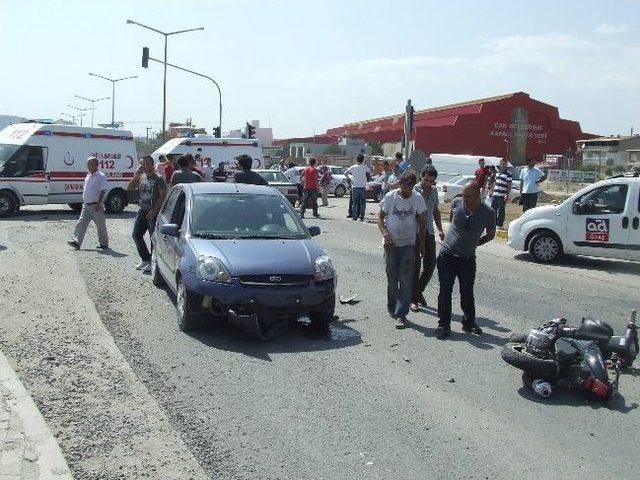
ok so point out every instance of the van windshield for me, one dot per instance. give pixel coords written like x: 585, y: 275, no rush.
x: 6, y: 152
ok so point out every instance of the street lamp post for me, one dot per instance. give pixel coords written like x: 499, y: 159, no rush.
x: 113, y: 92
x: 93, y: 104
x: 81, y: 110
x: 146, y: 51
x: 164, y: 82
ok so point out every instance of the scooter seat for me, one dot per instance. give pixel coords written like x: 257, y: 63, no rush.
x: 594, y: 330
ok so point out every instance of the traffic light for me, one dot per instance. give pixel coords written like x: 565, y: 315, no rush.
x: 251, y: 130
x: 217, y: 133
x: 145, y: 57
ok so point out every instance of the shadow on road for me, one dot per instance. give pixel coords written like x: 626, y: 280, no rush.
x: 223, y: 336
x: 572, y: 399
x: 2, y: 247
x: 61, y: 214
x: 486, y: 341
x: 590, y: 263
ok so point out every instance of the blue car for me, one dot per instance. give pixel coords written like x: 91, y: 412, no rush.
x: 241, y: 253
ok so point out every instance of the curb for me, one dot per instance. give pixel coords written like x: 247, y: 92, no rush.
x: 27, y: 446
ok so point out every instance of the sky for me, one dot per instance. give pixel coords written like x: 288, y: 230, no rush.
x: 304, y: 66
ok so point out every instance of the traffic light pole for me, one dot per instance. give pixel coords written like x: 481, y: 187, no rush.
x: 199, y: 75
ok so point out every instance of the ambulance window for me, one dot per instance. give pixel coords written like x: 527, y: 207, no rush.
x: 610, y: 199
x: 27, y: 161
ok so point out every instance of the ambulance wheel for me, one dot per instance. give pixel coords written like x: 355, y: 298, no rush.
x: 76, y: 207
x: 8, y: 204
x: 116, y: 201
x: 545, y: 247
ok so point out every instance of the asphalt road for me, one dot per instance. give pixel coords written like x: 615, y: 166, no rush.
x: 372, y: 402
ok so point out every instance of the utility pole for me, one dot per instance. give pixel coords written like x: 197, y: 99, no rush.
x: 164, y: 82
x: 408, y: 129
x: 148, y: 128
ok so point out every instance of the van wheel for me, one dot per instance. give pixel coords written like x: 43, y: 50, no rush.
x: 8, y: 204
x: 116, y: 201
x: 545, y: 247
x: 339, y: 191
x: 76, y: 207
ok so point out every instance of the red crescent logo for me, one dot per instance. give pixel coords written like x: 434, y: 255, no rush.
x: 131, y: 160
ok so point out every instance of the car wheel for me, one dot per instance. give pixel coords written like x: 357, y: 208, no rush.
x: 379, y: 196
x: 8, y: 204
x: 188, y: 308
x: 76, y: 207
x: 116, y: 201
x: 340, y: 191
x: 545, y: 247
x: 156, y: 276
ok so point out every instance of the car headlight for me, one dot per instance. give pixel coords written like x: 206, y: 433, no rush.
x: 324, y: 268
x: 213, y: 270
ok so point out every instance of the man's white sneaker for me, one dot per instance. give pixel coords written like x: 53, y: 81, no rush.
x: 143, y: 265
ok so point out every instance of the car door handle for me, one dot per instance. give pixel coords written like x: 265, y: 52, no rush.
x: 625, y: 222
x: 636, y: 222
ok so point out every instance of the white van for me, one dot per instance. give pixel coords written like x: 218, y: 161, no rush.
x: 217, y: 149
x: 46, y: 164
x: 601, y: 220
x: 450, y: 165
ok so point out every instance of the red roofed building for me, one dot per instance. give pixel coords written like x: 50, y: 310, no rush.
x: 514, y: 125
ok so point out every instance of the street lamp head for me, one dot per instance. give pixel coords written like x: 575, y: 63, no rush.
x: 129, y: 21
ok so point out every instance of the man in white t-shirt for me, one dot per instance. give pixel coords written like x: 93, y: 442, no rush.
x: 357, y: 175
x: 401, y: 220
x: 293, y: 174
x: 93, y: 193
x: 207, y: 170
x: 530, y: 177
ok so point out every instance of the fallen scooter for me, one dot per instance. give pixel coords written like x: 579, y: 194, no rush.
x: 555, y: 354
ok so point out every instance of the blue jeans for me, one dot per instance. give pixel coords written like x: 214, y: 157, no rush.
x: 450, y: 267
x: 359, y: 202
x: 498, y: 205
x: 400, y: 265
x: 140, y: 227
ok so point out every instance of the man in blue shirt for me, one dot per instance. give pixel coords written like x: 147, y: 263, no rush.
x: 402, y: 164
x: 530, y: 178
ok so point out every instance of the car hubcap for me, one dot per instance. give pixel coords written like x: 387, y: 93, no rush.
x: 4, y: 205
x: 546, y: 248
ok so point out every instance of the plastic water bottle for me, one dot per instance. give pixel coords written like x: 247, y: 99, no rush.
x: 542, y: 388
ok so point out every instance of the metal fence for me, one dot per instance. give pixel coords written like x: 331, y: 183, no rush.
x: 577, y: 176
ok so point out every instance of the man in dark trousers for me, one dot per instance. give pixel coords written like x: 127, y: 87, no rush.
x: 245, y: 175
x: 470, y: 218
x: 309, y: 177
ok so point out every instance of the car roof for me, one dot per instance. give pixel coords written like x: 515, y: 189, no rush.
x: 228, y: 187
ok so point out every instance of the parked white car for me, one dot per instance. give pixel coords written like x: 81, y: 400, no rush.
x: 601, y: 220
x: 452, y: 188
x: 339, y: 186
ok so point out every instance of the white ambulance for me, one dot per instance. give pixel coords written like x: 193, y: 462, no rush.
x: 46, y: 164
x: 217, y: 149
x: 601, y: 220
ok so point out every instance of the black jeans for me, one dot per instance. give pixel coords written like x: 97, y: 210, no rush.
x: 450, y: 267
x: 310, y: 193
x: 140, y: 227
x: 421, y: 280
x: 498, y: 205
x: 529, y: 200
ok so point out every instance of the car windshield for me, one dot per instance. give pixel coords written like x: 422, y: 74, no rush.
x: 6, y: 152
x: 337, y: 171
x: 244, y: 215
x: 274, y: 176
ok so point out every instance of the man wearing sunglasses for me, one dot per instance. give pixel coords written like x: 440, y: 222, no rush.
x: 472, y: 224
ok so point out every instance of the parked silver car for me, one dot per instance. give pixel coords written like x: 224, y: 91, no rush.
x: 339, y: 186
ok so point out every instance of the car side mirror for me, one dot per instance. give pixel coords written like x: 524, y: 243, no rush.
x: 314, y: 231
x: 170, y: 229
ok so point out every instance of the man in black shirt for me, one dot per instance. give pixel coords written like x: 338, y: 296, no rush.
x: 245, y: 175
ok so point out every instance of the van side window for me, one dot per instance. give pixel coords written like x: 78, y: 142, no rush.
x: 610, y: 199
x: 26, y: 161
